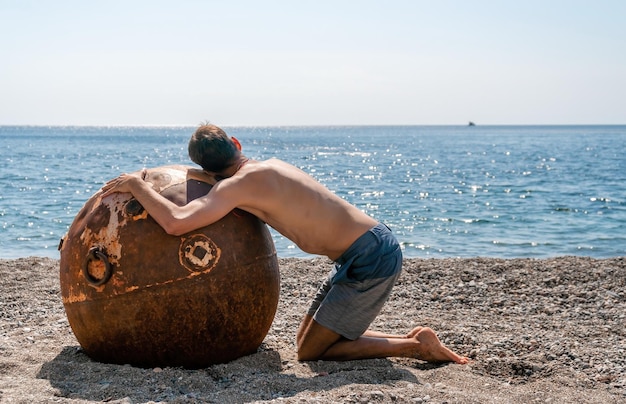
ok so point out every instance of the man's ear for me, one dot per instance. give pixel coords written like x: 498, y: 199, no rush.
x: 236, y: 142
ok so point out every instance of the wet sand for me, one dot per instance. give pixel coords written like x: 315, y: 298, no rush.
x: 549, y: 330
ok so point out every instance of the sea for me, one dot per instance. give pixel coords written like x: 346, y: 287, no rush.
x: 445, y: 191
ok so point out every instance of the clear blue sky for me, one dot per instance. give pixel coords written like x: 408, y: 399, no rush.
x: 312, y: 62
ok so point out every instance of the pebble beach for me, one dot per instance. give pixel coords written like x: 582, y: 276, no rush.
x: 536, y: 331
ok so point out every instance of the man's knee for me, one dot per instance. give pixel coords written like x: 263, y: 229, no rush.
x: 314, y: 341
x: 310, y: 349
x: 303, y: 355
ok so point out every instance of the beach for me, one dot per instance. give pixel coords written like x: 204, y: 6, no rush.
x: 536, y: 330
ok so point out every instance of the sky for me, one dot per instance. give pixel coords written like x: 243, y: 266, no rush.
x: 261, y: 63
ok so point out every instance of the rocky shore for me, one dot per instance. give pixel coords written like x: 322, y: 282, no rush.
x: 537, y: 331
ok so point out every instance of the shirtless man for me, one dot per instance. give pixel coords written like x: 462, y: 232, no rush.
x: 367, y: 256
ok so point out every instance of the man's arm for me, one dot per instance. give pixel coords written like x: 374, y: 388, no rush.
x: 174, y: 219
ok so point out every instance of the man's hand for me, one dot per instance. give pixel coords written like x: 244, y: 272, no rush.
x: 124, y: 183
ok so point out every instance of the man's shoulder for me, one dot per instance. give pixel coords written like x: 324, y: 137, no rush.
x: 272, y: 164
x: 272, y: 173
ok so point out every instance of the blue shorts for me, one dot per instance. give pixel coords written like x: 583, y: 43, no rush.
x: 356, y: 289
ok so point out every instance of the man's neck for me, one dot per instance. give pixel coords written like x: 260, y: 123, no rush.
x: 232, y: 169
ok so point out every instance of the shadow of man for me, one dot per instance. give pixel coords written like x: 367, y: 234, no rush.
x: 260, y: 376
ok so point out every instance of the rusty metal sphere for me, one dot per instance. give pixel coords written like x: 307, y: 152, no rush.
x: 136, y: 295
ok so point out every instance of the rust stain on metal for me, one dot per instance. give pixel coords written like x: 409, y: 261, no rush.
x: 134, y: 209
x: 198, y: 253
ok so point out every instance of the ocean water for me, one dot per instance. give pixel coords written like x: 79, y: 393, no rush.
x: 490, y: 191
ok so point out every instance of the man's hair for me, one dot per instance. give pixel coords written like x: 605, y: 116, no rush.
x: 211, y: 148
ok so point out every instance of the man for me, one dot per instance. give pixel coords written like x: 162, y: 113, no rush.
x: 367, y: 256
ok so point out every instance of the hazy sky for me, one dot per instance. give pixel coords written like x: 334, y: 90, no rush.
x: 312, y: 62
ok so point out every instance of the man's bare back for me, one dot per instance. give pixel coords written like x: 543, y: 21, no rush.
x: 298, y: 207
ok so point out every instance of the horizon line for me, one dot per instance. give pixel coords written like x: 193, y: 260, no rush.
x: 298, y: 125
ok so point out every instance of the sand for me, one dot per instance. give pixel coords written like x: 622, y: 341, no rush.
x: 537, y: 331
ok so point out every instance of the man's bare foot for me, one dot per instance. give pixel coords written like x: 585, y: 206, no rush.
x: 430, y: 349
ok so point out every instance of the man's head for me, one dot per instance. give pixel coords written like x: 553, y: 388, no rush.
x: 212, y: 149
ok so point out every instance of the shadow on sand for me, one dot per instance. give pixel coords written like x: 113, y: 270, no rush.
x: 261, y: 376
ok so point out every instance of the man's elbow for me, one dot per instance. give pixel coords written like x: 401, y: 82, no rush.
x: 176, y: 233
x: 174, y: 228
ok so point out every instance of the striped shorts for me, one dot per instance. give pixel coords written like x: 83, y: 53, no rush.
x: 360, y: 283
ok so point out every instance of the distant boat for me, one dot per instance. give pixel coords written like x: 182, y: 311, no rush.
x: 471, y: 123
